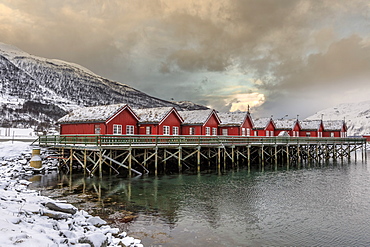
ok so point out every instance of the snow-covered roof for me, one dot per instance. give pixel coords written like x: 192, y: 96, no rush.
x: 91, y: 114
x: 285, y: 123
x: 152, y: 115
x: 333, y: 125
x: 261, y: 123
x: 232, y: 118
x: 196, y: 117
x: 310, y: 124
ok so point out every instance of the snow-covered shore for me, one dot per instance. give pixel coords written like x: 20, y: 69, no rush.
x: 29, y: 219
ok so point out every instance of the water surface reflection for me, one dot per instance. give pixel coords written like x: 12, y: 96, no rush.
x: 326, y: 205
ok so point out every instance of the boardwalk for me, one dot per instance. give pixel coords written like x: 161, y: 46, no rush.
x: 142, y: 154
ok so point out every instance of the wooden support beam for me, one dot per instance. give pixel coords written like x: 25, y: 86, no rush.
x: 120, y: 164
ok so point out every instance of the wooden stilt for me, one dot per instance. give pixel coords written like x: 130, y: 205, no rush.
x: 129, y: 163
x: 156, y: 160
x: 198, y: 159
x: 249, y: 157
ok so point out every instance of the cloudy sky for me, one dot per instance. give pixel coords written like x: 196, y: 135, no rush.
x: 278, y: 56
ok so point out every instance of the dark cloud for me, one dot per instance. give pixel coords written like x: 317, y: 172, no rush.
x: 307, y: 54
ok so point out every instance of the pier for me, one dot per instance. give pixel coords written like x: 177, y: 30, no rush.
x: 139, y: 154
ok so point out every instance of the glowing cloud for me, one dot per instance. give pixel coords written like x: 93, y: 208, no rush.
x: 242, y: 101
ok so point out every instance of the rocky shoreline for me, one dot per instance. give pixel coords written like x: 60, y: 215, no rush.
x: 29, y: 219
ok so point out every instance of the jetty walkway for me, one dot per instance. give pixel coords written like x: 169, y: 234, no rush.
x: 144, y: 153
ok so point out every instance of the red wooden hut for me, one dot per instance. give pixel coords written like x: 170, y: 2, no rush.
x: 311, y: 128
x: 236, y: 124
x: 289, y: 127
x: 200, y: 122
x: 159, y: 121
x: 264, y: 127
x: 334, y: 128
x: 108, y: 119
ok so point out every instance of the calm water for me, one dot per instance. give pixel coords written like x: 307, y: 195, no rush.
x: 320, y: 205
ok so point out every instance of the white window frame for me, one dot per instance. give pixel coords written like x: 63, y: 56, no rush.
x: 256, y: 133
x: 175, y: 130
x: 117, y: 129
x: 225, y: 132
x: 214, y: 131
x: 166, y: 130
x: 130, y: 130
x: 191, y: 131
x: 271, y: 133
x: 243, y: 131
x: 267, y: 133
x: 208, y: 131
x: 332, y: 134
x: 248, y: 132
x: 148, y: 130
x: 97, y: 129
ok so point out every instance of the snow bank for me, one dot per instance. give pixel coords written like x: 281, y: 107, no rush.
x: 28, y: 219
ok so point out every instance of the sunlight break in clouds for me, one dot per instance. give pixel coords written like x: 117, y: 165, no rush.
x: 240, y: 102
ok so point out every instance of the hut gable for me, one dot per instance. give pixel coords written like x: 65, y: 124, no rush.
x: 155, y: 115
x: 234, y: 118
x: 94, y: 114
x: 262, y: 123
x: 197, y: 117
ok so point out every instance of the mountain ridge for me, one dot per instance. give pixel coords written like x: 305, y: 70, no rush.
x: 356, y: 116
x: 36, y: 91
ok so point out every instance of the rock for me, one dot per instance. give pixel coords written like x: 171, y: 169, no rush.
x: 95, y: 240
x: 55, y: 215
x: 61, y: 207
x: 96, y: 221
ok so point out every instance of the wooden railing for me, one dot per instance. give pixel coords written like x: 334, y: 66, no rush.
x: 154, y: 140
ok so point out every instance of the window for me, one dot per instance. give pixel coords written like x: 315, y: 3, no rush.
x: 243, y: 131
x: 319, y: 134
x: 332, y: 134
x: 148, y: 130
x: 97, y: 129
x: 166, y: 130
x: 308, y: 134
x: 248, y: 132
x: 191, y: 131
x: 130, y: 130
x: 208, y: 131
x: 214, y: 131
x: 175, y: 131
x: 267, y: 133
x: 271, y: 133
x: 117, y: 129
x: 224, y: 132
x: 255, y: 133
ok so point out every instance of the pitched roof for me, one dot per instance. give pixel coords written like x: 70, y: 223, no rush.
x: 232, y: 118
x: 261, y: 123
x: 92, y: 114
x: 153, y: 115
x: 310, y: 124
x: 196, y: 117
x: 284, y: 124
x: 333, y: 125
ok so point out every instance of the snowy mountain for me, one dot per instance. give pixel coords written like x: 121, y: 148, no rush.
x: 36, y: 91
x: 356, y: 115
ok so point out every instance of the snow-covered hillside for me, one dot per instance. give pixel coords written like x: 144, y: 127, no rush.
x: 356, y: 115
x: 36, y: 91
